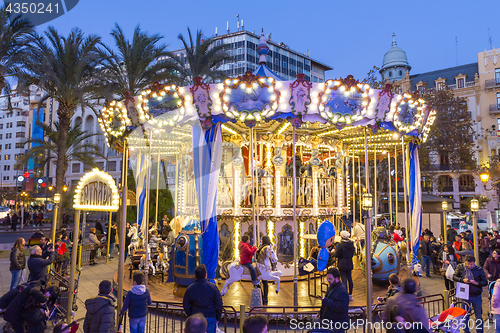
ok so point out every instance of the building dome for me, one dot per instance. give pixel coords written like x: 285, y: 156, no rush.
x: 395, y: 63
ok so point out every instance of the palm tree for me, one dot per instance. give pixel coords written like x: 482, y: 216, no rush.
x: 203, y: 59
x: 13, y: 34
x: 136, y: 65
x: 64, y: 68
x: 78, y: 146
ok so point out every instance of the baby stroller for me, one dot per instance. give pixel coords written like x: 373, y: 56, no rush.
x: 452, y: 319
x: 491, y: 286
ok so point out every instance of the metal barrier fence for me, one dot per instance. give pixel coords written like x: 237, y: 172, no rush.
x: 166, y: 317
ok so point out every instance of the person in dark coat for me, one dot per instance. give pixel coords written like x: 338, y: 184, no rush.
x: 407, y: 301
x: 344, y: 252
x: 100, y: 316
x: 425, y: 253
x: 492, y: 266
x: 136, y: 302
x: 17, y: 262
x: 450, y: 234
x: 335, y: 304
x: 99, y: 228
x: 34, y: 314
x: 15, y: 220
x: 204, y: 297
x: 38, y: 265
x: 128, y: 239
x: 14, y: 312
x: 474, y: 276
x: 7, y: 221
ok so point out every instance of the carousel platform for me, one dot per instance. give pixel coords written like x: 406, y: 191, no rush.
x: 240, y: 292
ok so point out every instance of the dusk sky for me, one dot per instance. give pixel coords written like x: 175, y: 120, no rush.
x: 350, y: 36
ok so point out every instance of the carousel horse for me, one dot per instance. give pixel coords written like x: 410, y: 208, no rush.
x: 162, y: 261
x: 146, y: 261
x: 134, y: 239
x: 264, y: 271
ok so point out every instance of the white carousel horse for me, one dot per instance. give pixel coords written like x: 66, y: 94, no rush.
x: 146, y: 261
x: 162, y: 260
x: 238, y: 272
x: 134, y: 239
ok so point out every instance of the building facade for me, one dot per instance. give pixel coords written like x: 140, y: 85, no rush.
x: 284, y: 61
x: 479, y: 84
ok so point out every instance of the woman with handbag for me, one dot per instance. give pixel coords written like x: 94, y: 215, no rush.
x: 492, y: 266
x: 484, y: 248
x: 94, y: 244
x: 448, y: 261
x: 17, y: 262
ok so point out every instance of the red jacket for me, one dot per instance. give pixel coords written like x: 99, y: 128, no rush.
x: 397, y: 238
x: 246, y: 252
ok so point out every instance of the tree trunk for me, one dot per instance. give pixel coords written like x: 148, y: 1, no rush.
x: 64, y: 123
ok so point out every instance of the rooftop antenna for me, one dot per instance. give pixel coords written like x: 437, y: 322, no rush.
x: 456, y: 50
x: 227, y: 29
x: 238, y: 22
x: 215, y: 31
x: 242, y: 25
x: 490, y: 39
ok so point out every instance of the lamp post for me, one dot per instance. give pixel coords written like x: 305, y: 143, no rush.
x: 444, y: 207
x: 474, y: 207
x: 366, y: 205
x: 57, y: 200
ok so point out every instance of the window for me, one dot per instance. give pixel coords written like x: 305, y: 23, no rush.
x: 19, y: 145
x: 75, y: 168
x: 8, y: 136
x: 390, y: 74
x: 440, y: 86
x: 20, y: 135
x: 445, y: 183
x: 315, y: 79
x: 8, y: 146
x: 400, y: 73
x: 1, y: 126
x: 320, y: 80
x: 6, y: 167
x: 100, y: 165
x: 497, y: 75
x: 466, y: 183
x: 21, y: 124
x: 460, y: 82
x: 420, y: 89
x: 498, y: 101
x: 112, y: 166
x: 7, y: 157
x: 6, y: 177
x: 9, y: 125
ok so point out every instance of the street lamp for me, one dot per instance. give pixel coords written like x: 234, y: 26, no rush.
x: 367, y: 201
x: 57, y: 200
x: 484, y: 175
x: 474, y: 207
x: 444, y: 207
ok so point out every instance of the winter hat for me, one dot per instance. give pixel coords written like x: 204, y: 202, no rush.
x: 345, y: 234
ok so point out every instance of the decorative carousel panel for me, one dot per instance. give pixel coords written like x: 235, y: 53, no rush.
x: 428, y: 124
x: 344, y: 101
x: 383, y: 109
x: 300, y: 95
x: 201, y: 98
x: 250, y: 98
x: 114, y: 119
x: 408, y: 113
x: 160, y: 100
x: 285, y: 244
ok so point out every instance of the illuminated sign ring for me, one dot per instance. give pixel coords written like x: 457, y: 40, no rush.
x: 96, y: 191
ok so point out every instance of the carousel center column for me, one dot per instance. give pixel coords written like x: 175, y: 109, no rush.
x: 340, y: 179
x: 315, y: 162
x: 237, y: 164
x: 278, y: 162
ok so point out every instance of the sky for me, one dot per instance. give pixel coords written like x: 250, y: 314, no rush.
x: 350, y: 36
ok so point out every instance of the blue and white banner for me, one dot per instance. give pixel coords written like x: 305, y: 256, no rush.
x: 415, y: 195
x: 207, y: 158
x: 140, y: 194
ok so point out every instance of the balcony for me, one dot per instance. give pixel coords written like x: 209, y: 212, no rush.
x: 492, y: 83
x: 494, y: 108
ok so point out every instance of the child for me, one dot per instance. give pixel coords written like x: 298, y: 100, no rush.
x: 393, y: 289
x: 137, y: 301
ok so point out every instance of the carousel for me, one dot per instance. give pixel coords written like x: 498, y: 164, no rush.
x: 259, y: 156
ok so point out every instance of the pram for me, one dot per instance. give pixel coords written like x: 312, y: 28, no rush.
x: 452, y: 319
